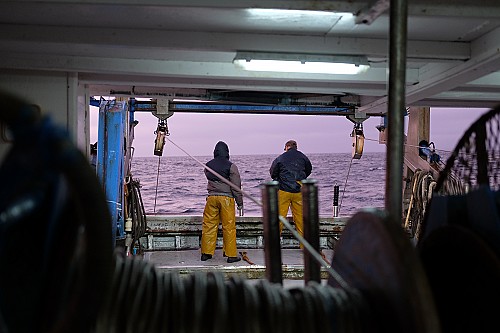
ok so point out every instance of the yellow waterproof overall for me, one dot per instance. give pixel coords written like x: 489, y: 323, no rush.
x: 294, y: 201
x: 219, y: 208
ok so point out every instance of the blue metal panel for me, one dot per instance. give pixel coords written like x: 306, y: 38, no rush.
x: 271, y: 109
x: 241, y: 107
x: 131, y: 117
x: 136, y: 105
x: 384, y: 121
x: 110, y: 160
x: 94, y: 102
x: 131, y: 104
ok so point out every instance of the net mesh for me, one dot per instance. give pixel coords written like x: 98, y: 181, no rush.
x: 475, y: 160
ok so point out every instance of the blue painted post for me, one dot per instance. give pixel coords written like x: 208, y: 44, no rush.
x: 110, y: 160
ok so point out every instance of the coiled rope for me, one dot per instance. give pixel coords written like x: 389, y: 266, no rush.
x: 421, y: 195
x: 69, y: 259
x: 135, y: 210
x: 423, y: 189
x: 310, y: 249
x: 143, y: 299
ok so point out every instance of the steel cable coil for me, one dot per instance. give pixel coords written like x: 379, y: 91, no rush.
x: 143, y: 299
x: 65, y: 264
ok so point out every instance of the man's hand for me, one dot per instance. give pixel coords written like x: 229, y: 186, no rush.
x: 240, y: 210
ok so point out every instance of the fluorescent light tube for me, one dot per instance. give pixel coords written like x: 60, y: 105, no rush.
x: 300, y: 63
x: 299, y: 67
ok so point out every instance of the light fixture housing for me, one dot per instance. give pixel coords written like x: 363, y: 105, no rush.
x: 301, y: 63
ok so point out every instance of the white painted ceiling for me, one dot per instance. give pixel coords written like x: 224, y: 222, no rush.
x: 185, y: 48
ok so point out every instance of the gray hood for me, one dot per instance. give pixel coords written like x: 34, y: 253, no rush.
x: 221, y: 150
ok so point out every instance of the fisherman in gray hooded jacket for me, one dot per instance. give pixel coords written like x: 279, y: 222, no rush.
x: 220, y: 205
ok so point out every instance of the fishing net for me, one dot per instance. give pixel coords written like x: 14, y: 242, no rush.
x: 459, y: 241
x: 476, y: 159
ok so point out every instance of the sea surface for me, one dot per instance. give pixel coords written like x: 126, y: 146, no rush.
x: 179, y: 188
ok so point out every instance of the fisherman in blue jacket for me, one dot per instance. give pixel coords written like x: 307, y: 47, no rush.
x: 220, y: 205
x: 289, y: 169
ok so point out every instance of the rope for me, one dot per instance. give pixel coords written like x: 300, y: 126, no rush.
x: 136, y: 212
x: 319, y: 259
x: 83, y: 234
x: 315, y: 254
x: 423, y: 185
x: 408, y: 145
x: 156, y: 191
x: 345, y: 185
x: 411, y: 198
x: 224, y: 180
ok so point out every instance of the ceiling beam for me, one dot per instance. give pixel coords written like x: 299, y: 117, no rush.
x: 485, y: 60
x: 187, y: 69
x: 458, y: 8
x: 85, y: 38
x: 329, y: 5
x: 154, y: 85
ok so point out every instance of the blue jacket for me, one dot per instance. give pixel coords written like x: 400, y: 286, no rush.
x: 290, y: 168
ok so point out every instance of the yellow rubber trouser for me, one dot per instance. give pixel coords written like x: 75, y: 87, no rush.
x: 219, y: 208
x: 294, y: 201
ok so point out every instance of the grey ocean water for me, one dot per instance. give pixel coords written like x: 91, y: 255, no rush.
x: 182, y: 184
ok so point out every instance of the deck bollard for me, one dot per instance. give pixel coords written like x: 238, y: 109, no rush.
x: 312, y: 270
x: 272, y: 246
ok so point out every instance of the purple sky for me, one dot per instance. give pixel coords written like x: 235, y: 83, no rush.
x: 197, y: 133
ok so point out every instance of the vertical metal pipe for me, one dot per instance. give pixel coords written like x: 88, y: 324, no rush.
x: 272, y: 246
x: 396, y: 106
x: 312, y: 269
